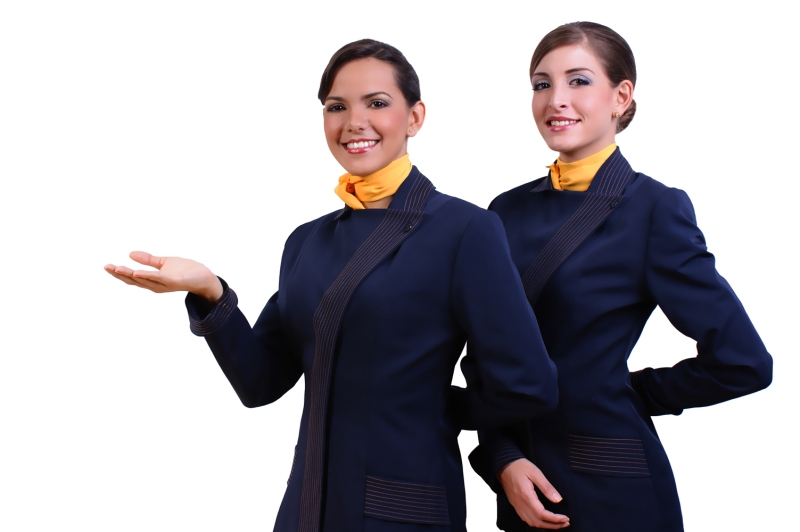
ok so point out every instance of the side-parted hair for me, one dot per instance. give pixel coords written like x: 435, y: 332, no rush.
x: 611, y: 50
x: 404, y: 74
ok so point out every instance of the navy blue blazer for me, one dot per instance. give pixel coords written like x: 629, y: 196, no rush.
x: 595, y: 265
x: 373, y: 309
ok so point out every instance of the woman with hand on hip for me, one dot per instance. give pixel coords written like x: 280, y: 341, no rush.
x: 374, y: 306
x: 598, y: 246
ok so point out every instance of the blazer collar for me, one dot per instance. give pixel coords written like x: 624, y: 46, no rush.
x: 614, y: 174
x: 404, y: 198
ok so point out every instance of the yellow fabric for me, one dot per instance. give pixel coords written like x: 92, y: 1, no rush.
x: 355, y: 190
x: 578, y: 176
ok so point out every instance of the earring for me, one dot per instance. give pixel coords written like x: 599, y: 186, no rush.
x: 616, y: 114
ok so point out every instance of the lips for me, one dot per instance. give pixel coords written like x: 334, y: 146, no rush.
x: 560, y: 123
x: 356, y: 146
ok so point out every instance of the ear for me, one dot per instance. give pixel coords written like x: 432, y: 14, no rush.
x: 416, y: 117
x: 623, y: 96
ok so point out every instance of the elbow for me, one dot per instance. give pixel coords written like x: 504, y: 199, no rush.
x: 752, y: 377
x: 762, y: 374
x: 250, y: 404
x: 542, y: 399
x: 549, y: 388
x: 548, y: 400
x: 252, y: 400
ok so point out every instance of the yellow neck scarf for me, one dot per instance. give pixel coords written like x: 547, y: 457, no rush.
x: 355, y: 189
x: 578, y: 176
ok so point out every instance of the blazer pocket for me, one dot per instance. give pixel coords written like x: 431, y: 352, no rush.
x: 406, y: 502
x: 615, y: 457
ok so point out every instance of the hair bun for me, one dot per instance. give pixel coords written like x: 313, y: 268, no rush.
x: 626, y: 117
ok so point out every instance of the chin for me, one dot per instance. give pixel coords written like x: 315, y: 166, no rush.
x: 561, y: 146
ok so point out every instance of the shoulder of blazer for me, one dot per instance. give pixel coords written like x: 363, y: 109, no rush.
x: 296, y: 242
x: 302, y: 231
x: 515, y: 194
x: 646, y: 191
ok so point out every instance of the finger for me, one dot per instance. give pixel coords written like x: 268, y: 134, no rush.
x: 124, y: 278
x: 549, y: 526
x: 142, y: 257
x: 123, y: 270
x: 150, y: 275
x: 537, y: 477
x: 131, y: 277
x: 153, y: 286
x: 539, y: 511
x: 532, y: 520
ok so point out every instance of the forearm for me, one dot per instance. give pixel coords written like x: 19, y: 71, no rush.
x: 255, y: 360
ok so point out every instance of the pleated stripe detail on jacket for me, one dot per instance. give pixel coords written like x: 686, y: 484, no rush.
x: 609, y: 182
x: 222, y: 310
x: 406, y: 502
x: 395, y: 227
x: 604, y: 456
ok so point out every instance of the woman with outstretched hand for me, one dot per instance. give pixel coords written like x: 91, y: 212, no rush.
x: 374, y: 305
x: 598, y: 246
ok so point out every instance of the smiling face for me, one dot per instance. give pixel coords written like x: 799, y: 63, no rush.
x: 367, y: 120
x: 574, y: 102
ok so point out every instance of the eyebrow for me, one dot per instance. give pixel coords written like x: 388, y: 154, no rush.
x: 365, y: 97
x: 570, y: 71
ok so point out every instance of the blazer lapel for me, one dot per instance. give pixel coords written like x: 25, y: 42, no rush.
x: 402, y: 215
x: 603, y: 196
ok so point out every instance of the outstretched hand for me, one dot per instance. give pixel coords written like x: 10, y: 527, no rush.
x: 171, y: 274
x: 518, y: 480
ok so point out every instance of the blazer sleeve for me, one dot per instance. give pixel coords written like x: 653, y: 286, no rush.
x: 497, y: 448
x: 508, y: 373
x: 680, y: 273
x: 257, y: 361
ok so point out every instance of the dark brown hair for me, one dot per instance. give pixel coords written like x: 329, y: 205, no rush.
x: 607, y: 45
x: 404, y: 74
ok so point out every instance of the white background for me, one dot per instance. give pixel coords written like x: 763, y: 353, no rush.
x: 192, y: 128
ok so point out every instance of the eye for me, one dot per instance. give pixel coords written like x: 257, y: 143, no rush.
x: 378, y: 104
x: 540, y: 85
x: 335, y: 108
x: 579, y: 81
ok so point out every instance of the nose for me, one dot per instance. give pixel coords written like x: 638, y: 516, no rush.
x: 558, y: 98
x: 356, y: 120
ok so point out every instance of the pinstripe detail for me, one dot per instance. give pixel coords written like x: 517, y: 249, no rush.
x: 406, y: 502
x: 223, y: 308
x: 394, y: 227
x: 608, y: 456
x: 503, y: 447
x: 611, y: 181
x: 291, y: 471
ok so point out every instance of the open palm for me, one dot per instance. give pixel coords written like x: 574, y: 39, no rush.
x: 171, y: 274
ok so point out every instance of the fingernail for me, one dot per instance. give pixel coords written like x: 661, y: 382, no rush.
x: 557, y: 497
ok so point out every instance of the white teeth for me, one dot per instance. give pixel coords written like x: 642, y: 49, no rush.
x: 562, y: 122
x: 362, y: 144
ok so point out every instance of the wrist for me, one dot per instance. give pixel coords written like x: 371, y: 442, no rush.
x: 212, y: 291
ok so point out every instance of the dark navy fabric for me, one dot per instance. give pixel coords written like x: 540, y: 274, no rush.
x: 392, y: 418
x: 599, y: 448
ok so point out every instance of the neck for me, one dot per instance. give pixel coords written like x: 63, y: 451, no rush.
x: 379, y: 204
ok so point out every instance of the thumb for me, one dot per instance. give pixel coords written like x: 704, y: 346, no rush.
x: 544, y: 486
x: 147, y: 259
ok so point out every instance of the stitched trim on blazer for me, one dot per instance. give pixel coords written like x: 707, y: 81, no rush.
x: 617, y: 457
x: 393, y: 229
x: 406, y: 502
x: 294, y: 461
x: 605, y: 195
x: 218, y: 315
